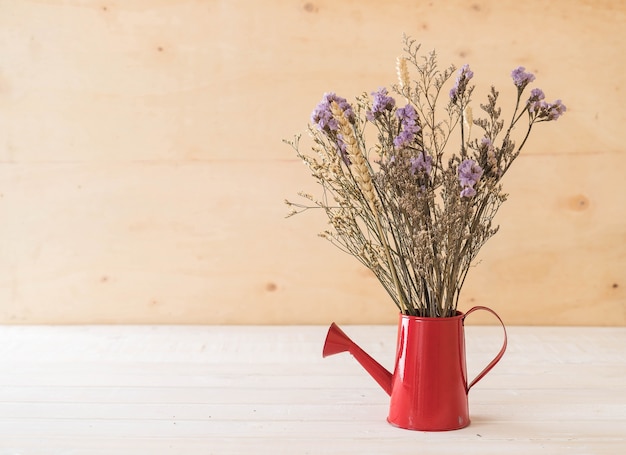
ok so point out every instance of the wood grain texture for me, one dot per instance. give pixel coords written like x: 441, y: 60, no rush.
x: 234, y: 389
x: 142, y: 172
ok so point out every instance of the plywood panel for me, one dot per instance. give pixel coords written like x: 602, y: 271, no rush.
x: 142, y: 171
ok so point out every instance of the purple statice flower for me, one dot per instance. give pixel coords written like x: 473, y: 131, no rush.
x: 469, y: 174
x: 536, y: 94
x: 486, y: 143
x: 536, y: 100
x: 521, y: 78
x: 408, y: 126
x: 421, y: 163
x: 542, y: 110
x: 462, y: 78
x: 555, y: 110
x: 382, y: 102
x: 322, y: 116
x: 468, y: 192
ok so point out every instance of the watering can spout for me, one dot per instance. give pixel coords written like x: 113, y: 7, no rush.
x: 337, y: 341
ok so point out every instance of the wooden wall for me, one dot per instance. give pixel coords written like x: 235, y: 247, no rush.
x: 142, y: 174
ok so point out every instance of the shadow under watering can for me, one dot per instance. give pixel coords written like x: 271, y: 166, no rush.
x: 429, y: 385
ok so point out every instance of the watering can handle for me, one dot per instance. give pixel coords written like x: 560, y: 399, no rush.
x: 500, y: 354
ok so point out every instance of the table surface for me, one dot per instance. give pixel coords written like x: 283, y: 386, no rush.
x: 266, y: 390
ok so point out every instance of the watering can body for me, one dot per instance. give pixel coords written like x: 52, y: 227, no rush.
x: 428, y: 388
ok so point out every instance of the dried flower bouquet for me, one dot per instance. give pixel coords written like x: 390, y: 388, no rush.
x: 413, y: 213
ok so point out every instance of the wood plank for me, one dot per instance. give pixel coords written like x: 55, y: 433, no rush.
x: 271, y: 376
x: 497, y: 409
x: 209, y: 428
x: 206, y: 345
x: 371, y: 445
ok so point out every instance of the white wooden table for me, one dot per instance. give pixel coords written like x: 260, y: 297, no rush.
x: 266, y: 390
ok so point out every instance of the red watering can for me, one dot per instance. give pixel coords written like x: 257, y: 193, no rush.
x: 429, y: 385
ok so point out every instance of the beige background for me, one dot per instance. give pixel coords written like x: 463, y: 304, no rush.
x: 142, y: 172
